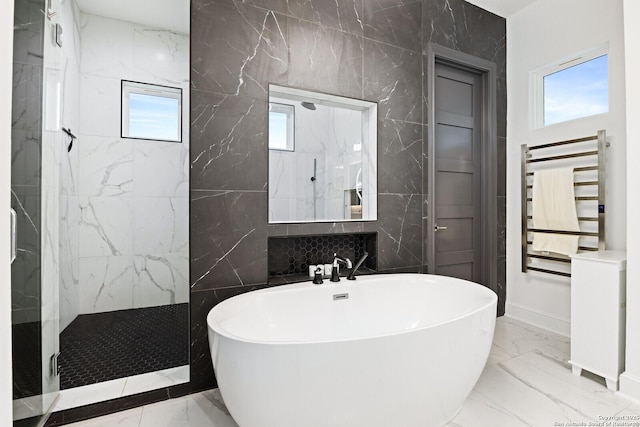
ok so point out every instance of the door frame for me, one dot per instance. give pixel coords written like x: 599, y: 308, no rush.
x: 6, y: 87
x: 489, y: 137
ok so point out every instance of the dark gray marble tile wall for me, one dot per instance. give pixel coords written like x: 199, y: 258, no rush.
x: 370, y: 49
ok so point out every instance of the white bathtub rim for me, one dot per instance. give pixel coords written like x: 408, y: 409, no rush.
x: 215, y: 326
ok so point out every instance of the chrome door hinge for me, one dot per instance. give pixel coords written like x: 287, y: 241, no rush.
x: 49, y: 13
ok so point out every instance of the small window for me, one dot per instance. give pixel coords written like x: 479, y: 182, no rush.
x: 281, y: 120
x: 151, y: 112
x: 574, y: 89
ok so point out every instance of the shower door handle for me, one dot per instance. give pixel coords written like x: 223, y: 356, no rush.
x: 14, y: 235
x: 438, y: 228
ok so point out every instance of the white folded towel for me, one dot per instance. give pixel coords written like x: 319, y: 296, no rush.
x: 554, y: 208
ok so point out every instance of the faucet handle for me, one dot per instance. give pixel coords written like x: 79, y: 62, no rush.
x: 317, y: 275
x: 352, y: 275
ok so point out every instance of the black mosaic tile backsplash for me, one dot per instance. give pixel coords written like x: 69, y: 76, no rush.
x: 292, y: 255
x: 106, y: 346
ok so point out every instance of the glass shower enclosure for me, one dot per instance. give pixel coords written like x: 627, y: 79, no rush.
x: 34, y: 287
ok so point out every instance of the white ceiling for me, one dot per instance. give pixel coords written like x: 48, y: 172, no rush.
x: 174, y: 14
x: 168, y: 14
x: 504, y: 8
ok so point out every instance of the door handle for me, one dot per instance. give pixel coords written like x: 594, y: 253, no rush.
x: 14, y: 237
x: 438, y: 228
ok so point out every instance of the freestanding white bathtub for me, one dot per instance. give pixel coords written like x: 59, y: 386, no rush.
x: 400, y: 350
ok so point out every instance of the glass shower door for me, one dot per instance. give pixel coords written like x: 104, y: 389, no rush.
x: 34, y: 194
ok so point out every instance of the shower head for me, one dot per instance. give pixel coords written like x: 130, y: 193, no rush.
x: 309, y: 105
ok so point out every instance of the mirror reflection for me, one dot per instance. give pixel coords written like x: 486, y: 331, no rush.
x: 322, y: 157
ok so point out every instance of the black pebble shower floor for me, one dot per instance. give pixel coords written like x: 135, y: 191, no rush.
x: 106, y: 346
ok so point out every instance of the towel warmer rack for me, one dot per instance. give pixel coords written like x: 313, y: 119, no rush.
x: 587, y: 156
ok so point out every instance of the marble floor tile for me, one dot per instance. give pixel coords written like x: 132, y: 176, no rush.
x: 504, y: 387
x: 107, y: 390
x: 155, y: 380
x: 129, y: 418
x: 498, y: 355
x: 517, y: 337
x: 527, y: 382
x: 85, y: 395
x: 582, y: 395
x: 201, y: 409
x: 559, y: 351
x: 631, y: 412
x: 478, y: 410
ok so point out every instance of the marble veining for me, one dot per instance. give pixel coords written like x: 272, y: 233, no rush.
x: 400, y: 146
x: 397, y: 23
x: 362, y: 49
x: 160, y: 226
x: 106, y: 166
x: 127, y: 199
x: 160, y: 279
x: 343, y: 15
x: 458, y: 25
x: 533, y: 388
x: 372, y: 49
x: 233, y: 248
x: 400, y: 230
x: 160, y: 56
x: 68, y: 60
x: 254, y: 52
x: 27, y: 95
x: 25, y: 157
x: 228, y: 147
x: 391, y: 76
x: 326, y: 60
x: 105, y: 226
x: 249, y: 41
x: 106, y: 283
x: 25, y: 212
x: 28, y: 32
x: 160, y: 169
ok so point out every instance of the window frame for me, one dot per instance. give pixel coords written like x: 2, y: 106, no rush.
x: 290, y: 112
x: 537, y: 79
x: 130, y: 86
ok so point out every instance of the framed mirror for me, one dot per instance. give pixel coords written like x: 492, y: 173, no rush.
x: 322, y: 157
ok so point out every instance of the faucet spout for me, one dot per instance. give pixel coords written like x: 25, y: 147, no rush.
x: 345, y: 261
x: 352, y: 275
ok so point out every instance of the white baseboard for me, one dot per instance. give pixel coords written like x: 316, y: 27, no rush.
x: 630, y: 386
x: 537, y: 318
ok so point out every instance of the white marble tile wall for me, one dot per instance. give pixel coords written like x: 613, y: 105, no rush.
x: 59, y: 110
x: 69, y: 256
x: 160, y: 226
x: 282, y: 184
x: 161, y: 169
x: 133, y: 194
x: 156, y: 277
x: 69, y: 63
